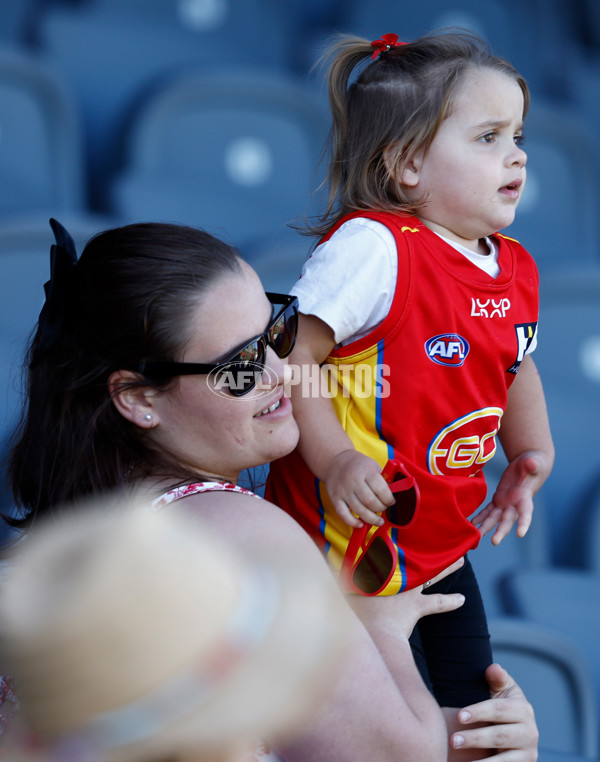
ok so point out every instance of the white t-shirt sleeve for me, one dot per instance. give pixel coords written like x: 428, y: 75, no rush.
x: 349, y: 281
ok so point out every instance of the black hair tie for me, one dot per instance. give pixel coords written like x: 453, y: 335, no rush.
x: 51, y: 323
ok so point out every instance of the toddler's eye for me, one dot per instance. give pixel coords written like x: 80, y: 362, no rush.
x: 520, y: 140
x: 489, y: 137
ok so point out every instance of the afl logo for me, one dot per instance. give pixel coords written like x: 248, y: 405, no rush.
x: 447, y: 349
x: 225, y: 379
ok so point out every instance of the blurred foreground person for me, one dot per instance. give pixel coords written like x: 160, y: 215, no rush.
x: 139, y: 636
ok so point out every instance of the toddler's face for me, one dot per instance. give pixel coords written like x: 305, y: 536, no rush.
x: 474, y: 172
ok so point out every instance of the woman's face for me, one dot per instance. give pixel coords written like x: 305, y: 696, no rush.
x: 207, y: 428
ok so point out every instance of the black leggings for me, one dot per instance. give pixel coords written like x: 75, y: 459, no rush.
x: 452, y: 650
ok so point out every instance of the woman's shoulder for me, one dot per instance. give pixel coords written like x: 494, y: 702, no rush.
x: 246, y: 519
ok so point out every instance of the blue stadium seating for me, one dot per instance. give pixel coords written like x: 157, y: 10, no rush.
x: 14, y: 18
x: 234, y: 153
x: 558, y: 756
x: 114, y: 53
x: 278, y: 258
x: 41, y: 159
x: 24, y: 268
x: 568, y: 359
x: 562, y: 186
x: 565, y: 600
x: 554, y: 676
x: 591, y: 515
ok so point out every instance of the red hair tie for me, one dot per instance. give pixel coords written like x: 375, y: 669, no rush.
x: 386, y: 42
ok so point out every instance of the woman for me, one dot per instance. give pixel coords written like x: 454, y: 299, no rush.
x: 159, y: 361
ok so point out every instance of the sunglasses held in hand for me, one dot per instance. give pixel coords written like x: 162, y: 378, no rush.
x: 371, y: 557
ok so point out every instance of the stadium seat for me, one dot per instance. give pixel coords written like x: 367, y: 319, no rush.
x: 568, y: 359
x: 583, y: 69
x: 555, y: 678
x: 234, y: 153
x: 14, y: 18
x: 24, y: 268
x: 565, y: 600
x: 591, y: 510
x: 113, y: 53
x: 589, y: 29
x: 558, y: 756
x: 278, y: 258
x: 557, y: 219
x: 548, y: 33
x: 41, y: 159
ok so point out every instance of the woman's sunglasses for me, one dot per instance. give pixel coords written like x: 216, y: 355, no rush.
x: 371, y: 557
x: 242, y: 369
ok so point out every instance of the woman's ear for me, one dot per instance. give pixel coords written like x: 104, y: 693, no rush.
x: 133, y: 401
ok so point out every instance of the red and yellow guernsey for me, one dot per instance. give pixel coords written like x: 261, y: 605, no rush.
x: 427, y: 386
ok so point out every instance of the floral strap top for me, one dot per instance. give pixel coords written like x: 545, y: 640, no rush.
x: 192, y: 489
x: 8, y: 703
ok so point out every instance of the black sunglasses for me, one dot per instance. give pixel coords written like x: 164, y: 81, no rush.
x: 242, y: 369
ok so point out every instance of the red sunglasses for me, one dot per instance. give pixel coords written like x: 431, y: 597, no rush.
x: 371, y: 557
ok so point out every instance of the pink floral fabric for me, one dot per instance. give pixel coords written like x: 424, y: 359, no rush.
x: 8, y: 703
x: 192, y: 489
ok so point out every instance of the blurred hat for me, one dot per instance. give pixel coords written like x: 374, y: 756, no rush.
x: 138, y: 634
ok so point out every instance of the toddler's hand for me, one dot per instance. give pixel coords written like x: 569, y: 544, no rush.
x: 357, y: 489
x: 513, y: 498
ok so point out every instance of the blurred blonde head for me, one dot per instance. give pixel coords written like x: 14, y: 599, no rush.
x: 139, y: 636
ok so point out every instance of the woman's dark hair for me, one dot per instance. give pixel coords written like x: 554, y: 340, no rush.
x: 127, y: 300
x: 397, y: 103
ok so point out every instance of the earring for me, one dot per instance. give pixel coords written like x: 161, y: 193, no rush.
x: 148, y: 417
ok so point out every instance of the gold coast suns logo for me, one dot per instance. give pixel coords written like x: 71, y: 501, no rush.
x: 465, y: 445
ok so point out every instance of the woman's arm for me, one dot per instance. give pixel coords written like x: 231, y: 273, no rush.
x: 367, y: 715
